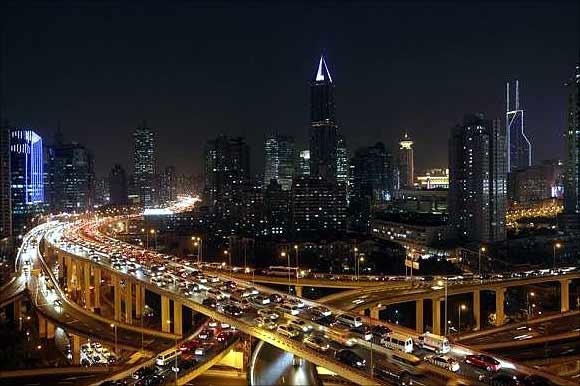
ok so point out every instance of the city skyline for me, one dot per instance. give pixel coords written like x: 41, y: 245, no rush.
x: 175, y: 111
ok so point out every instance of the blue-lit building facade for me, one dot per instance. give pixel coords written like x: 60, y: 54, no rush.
x: 26, y: 178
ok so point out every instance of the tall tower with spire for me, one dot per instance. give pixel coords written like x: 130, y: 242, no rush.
x: 323, y: 126
x: 519, y: 148
x: 406, y: 162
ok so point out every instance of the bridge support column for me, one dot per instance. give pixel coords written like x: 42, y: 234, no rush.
x: 436, y: 316
x: 49, y: 330
x: 18, y: 313
x: 298, y: 290
x: 499, y: 306
x: 87, y: 285
x: 60, y: 259
x: 139, y: 300
x: 564, y: 295
x: 374, y: 313
x: 69, y: 273
x: 129, y: 302
x: 165, y: 325
x: 177, y: 318
x: 117, y: 296
x: 97, y: 280
x: 419, y: 316
x: 76, y: 349
x: 476, y: 310
x: 41, y: 326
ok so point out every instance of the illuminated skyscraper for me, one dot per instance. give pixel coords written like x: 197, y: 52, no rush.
x: 478, y: 179
x: 304, y: 163
x: 144, y: 165
x: 73, y: 178
x: 5, y: 202
x: 406, y: 163
x: 323, y: 126
x: 572, y: 167
x: 279, y: 160
x: 342, y: 158
x: 519, y: 153
x: 27, y: 177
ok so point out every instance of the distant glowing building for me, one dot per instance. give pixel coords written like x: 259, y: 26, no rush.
x: 519, y: 153
x: 434, y: 179
x: 572, y: 161
x: 144, y: 165
x: 342, y: 164
x: 406, y: 163
x: 304, y: 163
x: 27, y: 177
x: 279, y: 160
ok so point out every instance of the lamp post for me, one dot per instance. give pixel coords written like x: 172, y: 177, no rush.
x: 297, y: 265
x: 440, y: 283
x: 114, y: 327
x: 556, y: 246
x: 358, y: 261
x: 482, y: 249
x: 229, y: 256
x: 462, y: 307
x: 355, y: 254
x: 532, y: 294
x: 283, y: 254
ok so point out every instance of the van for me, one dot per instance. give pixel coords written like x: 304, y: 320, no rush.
x: 350, y: 320
x: 166, y: 358
x: 433, y: 342
x: 397, y: 341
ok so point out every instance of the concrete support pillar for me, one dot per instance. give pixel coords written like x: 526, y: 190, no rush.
x: 298, y: 290
x: 76, y: 349
x: 375, y: 313
x: 69, y: 272
x: 87, y: 285
x: 477, y: 310
x: 419, y: 316
x: 139, y: 300
x: 117, y: 296
x: 18, y: 313
x: 436, y: 316
x: 49, y: 330
x: 165, y: 325
x: 564, y: 295
x: 177, y: 318
x: 499, y: 306
x: 41, y: 326
x: 97, y: 280
x: 129, y: 302
x: 60, y: 259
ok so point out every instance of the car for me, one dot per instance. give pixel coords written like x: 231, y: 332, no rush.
x: 250, y: 292
x: 288, y: 331
x: 321, y: 311
x: 231, y: 310
x: 505, y: 380
x: 300, y: 325
x: 267, y: 313
x: 381, y: 331
x: 317, y: 343
x: 350, y: 358
x: 327, y: 321
x: 190, y: 345
x: 261, y: 300
x: 364, y: 331
x: 275, y: 298
x: 144, y: 372
x: 224, y: 336
x: 483, y: 362
x: 209, y: 302
x: 443, y: 361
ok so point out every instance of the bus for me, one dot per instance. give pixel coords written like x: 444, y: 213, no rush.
x: 168, y: 357
x: 397, y: 341
x: 286, y: 271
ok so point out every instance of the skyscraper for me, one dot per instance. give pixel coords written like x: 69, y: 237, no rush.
x: 5, y: 202
x: 477, y: 179
x: 323, y: 126
x: 279, y: 157
x: 27, y: 178
x: 168, y: 188
x: 144, y: 165
x: 304, y: 163
x: 118, y: 186
x: 572, y: 167
x: 519, y: 154
x: 342, y: 161
x: 406, y: 163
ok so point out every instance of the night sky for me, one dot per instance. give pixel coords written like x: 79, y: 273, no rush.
x: 192, y: 72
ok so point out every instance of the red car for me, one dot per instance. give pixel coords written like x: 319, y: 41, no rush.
x: 224, y: 336
x: 190, y: 345
x: 483, y: 362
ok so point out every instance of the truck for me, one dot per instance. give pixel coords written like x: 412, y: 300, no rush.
x: 433, y: 342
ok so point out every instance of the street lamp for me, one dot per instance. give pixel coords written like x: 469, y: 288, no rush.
x: 440, y: 283
x: 152, y: 231
x: 358, y: 261
x: 462, y: 307
x: 482, y: 249
x: 355, y: 262
x: 297, y: 265
x: 532, y: 294
x: 556, y: 246
x: 114, y: 327
x: 283, y: 254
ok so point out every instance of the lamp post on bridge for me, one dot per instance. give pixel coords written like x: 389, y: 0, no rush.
x: 481, y: 249
x: 556, y: 246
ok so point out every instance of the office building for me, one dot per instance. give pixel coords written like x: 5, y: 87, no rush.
x: 5, y: 202
x: 477, y: 179
x: 277, y: 205
x: 323, y: 125
x: 342, y: 161
x: 535, y: 183
x: 318, y: 205
x: 118, y: 186
x: 102, y: 194
x: 304, y: 163
x: 168, y: 188
x: 27, y: 178
x: 572, y: 161
x: 72, y: 187
x: 519, y: 153
x: 433, y: 179
x: 279, y: 157
x: 144, y: 165
x: 406, y: 163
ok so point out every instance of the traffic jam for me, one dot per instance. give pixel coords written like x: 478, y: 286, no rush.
x: 398, y: 356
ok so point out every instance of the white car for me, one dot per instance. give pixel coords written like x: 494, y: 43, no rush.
x: 288, y: 331
x: 266, y: 313
x: 443, y: 361
x: 300, y: 325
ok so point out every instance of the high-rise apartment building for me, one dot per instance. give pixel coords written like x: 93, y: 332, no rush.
x: 72, y: 178
x: 323, y: 125
x: 572, y: 161
x: 27, y: 178
x: 406, y: 163
x: 144, y: 165
x: 477, y: 179
x: 279, y: 157
x: 5, y: 202
x: 277, y: 206
x: 519, y: 147
x: 304, y: 163
x: 118, y: 186
x: 168, y: 188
